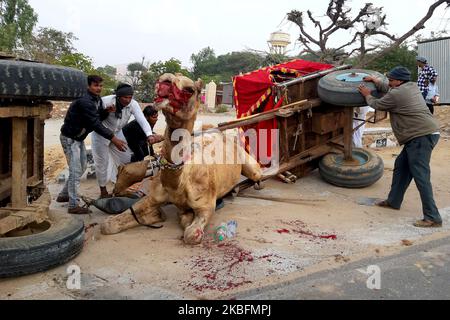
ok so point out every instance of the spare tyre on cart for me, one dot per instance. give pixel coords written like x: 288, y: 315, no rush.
x: 32, y: 239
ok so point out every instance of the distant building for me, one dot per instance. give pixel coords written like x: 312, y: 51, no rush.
x: 121, y: 74
x: 437, y: 52
x: 227, y: 93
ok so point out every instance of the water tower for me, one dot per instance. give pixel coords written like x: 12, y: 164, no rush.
x: 278, y: 42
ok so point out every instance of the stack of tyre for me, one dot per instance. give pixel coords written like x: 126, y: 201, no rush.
x: 341, y: 89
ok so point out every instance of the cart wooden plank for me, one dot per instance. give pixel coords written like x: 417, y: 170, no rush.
x: 15, y: 218
x: 19, y: 163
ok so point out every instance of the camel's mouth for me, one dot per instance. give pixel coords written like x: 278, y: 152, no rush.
x: 175, y: 91
x: 178, y: 97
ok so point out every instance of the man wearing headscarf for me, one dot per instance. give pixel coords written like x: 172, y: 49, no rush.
x: 119, y: 109
x: 414, y: 127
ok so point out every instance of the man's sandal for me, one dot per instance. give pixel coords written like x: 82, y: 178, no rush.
x: 427, y: 224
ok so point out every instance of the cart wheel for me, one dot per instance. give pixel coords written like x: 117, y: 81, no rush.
x: 341, y: 88
x: 41, y: 247
x: 366, y: 169
x: 32, y: 80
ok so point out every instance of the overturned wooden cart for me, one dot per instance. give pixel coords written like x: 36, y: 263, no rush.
x: 313, y: 132
x: 32, y: 238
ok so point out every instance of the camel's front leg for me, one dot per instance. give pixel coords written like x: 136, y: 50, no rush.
x: 194, y: 233
x: 186, y: 218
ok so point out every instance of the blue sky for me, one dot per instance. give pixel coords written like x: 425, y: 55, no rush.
x: 118, y: 32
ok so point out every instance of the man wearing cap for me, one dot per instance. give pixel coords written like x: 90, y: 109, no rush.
x: 414, y: 127
x: 427, y: 76
x: 107, y: 157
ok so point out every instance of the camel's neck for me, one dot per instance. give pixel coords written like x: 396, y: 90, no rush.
x: 173, y: 137
x: 169, y: 147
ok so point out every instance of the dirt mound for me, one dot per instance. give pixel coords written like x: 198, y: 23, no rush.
x: 59, y: 109
x: 443, y: 116
x: 54, y: 162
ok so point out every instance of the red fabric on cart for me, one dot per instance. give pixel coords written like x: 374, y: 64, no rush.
x: 251, y: 95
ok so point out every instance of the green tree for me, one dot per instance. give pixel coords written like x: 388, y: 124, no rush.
x: 108, y: 73
x: 145, y: 92
x: 222, y: 68
x: 17, y: 21
x: 401, y: 56
x: 149, y: 76
x: 78, y: 61
x: 234, y: 63
x: 109, y: 70
x: 84, y: 63
x: 273, y: 59
x: 204, y: 63
x: 171, y: 66
x: 50, y: 45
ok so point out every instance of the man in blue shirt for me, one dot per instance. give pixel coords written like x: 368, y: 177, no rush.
x: 432, y: 97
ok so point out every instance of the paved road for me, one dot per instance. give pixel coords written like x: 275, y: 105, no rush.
x: 419, y: 273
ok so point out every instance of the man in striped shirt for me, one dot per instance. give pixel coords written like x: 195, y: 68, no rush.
x: 427, y: 75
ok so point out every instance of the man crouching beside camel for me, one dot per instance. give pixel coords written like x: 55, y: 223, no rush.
x: 189, y: 179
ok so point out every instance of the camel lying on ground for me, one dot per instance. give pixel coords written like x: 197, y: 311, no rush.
x: 195, y: 183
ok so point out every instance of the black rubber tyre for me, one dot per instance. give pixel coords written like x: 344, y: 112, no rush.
x: 62, y: 242
x: 32, y: 80
x: 345, y: 93
x: 367, y: 169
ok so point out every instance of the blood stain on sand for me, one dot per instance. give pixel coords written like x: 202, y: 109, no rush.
x: 222, y: 267
x: 302, y: 229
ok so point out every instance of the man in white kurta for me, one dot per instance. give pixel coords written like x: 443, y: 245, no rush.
x: 107, y: 157
x: 360, y: 117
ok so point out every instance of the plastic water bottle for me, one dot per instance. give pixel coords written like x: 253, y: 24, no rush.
x: 231, y: 229
x: 225, y: 231
x: 221, y: 233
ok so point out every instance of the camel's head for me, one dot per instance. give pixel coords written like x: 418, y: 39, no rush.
x: 178, y: 97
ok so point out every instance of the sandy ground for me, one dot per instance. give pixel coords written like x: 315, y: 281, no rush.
x: 276, y: 242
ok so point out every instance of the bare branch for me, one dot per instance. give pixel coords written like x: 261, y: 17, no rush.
x: 316, y: 23
x: 306, y: 44
x: 334, y: 12
x: 383, y: 33
x: 349, y: 43
x: 419, y: 26
x: 297, y: 18
x: 346, y: 24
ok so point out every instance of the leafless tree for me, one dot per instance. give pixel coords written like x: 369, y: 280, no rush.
x: 366, y: 27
